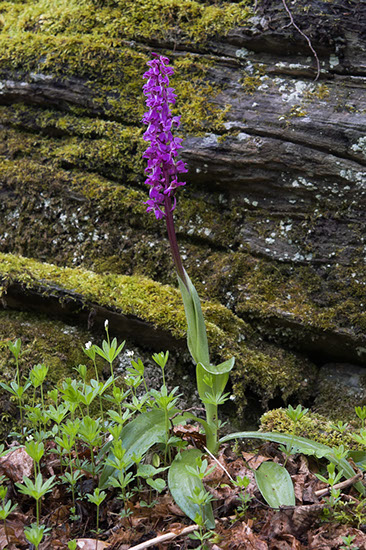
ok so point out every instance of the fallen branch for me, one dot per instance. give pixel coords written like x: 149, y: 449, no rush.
x: 164, y: 538
x: 342, y: 485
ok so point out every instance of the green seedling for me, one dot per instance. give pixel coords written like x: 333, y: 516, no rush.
x: 340, y: 426
x: 348, y: 540
x: 361, y: 413
x: 243, y: 483
x: 36, y: 490
x: 6, y: 508
x: 15, y: 350
x: 97, y: 498
x: 34, y: 534
x: 35, y: 449
x: 201, y: 498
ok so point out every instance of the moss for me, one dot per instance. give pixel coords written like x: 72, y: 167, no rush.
x: 76, y: 40
x: 53, y: 343
x: 264, y: 369
x: 319, y: 91
x: 192, y: 21
x: 250, y: 83
x: 313, y: 426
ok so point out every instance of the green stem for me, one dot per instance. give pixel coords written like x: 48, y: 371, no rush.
x: 212, y: 421
x: 72, y: 485
x: 18, y: 373
x: 21, y: 419
x: 37, y: 510
x: 167, y: 430
x: 173, y: 240
x: 112, y: 373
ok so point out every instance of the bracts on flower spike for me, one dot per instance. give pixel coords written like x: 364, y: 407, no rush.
x: 162, y: 176
x: 162, y: 167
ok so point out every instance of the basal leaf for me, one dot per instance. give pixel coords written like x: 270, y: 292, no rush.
x: 196, y: 333
x: 182, y: 484
x: 222, y: 368
x: 300, y: 445
x: 275, y: 484
x: 137, y: 438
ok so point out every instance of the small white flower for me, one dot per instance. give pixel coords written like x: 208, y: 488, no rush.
x: 130, y: 353
x: 106, y: 323
x: 88, y: 345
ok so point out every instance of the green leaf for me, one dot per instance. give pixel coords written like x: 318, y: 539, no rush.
x: 148, y: 470
x: 157, y: 484
x: 182, y: 484
x: 196, y: 332
x: 300, y: 445
x: 222, y: 368
x: 359, y: 458
x: 137, y: 438
x: 275, y: 484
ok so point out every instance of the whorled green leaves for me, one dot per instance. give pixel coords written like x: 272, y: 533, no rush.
x: 137, y: 437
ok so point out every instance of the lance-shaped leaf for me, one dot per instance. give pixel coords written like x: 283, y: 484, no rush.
x: 196, y: 332
x: 137, y: 438
x: 301, y: 445
x: 182, y: 484
x: 220, y: 376
x: 275, y: 485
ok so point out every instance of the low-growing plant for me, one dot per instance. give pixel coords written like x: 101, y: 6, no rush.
x: 110, y: 447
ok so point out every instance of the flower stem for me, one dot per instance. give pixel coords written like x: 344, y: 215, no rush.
x: 173, y: 240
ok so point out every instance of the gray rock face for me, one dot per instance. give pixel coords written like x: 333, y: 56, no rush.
x: 340, y: 385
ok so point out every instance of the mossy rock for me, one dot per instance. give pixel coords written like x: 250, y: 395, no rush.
x: 57, y: 345
x: 262, y: 369
x: 312, y: 426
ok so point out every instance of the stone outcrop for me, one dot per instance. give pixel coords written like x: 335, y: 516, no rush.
x: 271, y: 222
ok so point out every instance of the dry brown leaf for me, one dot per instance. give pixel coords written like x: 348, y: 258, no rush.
x: 241, y: 537
x: 254, y: 461
x: 292, y: 521
x: 299, y: 483
x: 329, y: 536
x: 191, y: 434
x: 15, y: 528
x: 287, y: 542
x: 16, y: 465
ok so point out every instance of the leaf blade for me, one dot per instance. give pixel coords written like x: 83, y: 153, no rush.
x: 302, y: 445
x: 275, y: 485
x: 181, y: 485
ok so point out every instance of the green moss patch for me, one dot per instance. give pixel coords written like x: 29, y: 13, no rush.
x: 53, y: 343
x: 313, y: 426
x: 265, y: 370
x: 190, y: 20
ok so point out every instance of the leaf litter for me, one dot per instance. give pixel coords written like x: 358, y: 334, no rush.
x: 308, y: 525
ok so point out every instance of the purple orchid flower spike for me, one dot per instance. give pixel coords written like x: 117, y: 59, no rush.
x: 162, y: 167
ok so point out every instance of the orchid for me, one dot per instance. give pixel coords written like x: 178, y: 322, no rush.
x: 163, y: 169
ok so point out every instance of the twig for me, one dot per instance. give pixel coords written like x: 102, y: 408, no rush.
x: 219, y: 464
x: 163, y: 538
x: 342, y: 485
x: 306, y: 38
